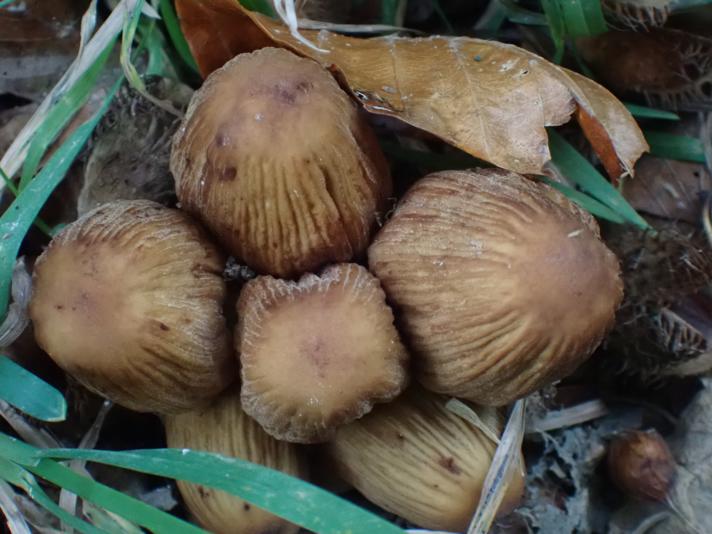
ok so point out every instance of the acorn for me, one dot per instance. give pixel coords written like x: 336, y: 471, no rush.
x: 641, y: 464
x: 275, y: 159
x: 417, y: 459
x: 128, y: 300
x: 223, y: 428
x: 317, y: 353
x: 503, y: 285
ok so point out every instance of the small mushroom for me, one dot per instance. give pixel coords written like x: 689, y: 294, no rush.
x: 503, y: 285
x: 223, y: 428
x: 128, y: 300
x: 417, y: 459
x: 275, y: 159
x: 317, y: 353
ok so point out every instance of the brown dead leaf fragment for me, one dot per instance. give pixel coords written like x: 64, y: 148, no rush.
x: 490, y: 99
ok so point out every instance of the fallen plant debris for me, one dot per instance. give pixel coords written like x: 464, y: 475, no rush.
x: 350, y: 267
x: 490, y: 99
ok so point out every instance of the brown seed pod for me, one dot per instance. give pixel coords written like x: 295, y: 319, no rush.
x: 502, y: 283
x: 274, y: 158
x: 417, y: 459
x: 317, y: 353
x: 225, y: 429
x: 641, y: 464
x: 128, y: 300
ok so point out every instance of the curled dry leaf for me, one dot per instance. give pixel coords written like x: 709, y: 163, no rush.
x: 490, y: 99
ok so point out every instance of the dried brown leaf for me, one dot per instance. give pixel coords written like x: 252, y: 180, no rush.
x: 490, y: 99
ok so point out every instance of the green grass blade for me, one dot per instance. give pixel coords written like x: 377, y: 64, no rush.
x: 160, y: 58
x: 291, y: 498
x: 588, y: 203
x: 261, y: 6
x: 643, y: 112
x: 15, y: 222
x: 492, y: 19
x: 583, y: 17
x: 440, y: 12
x: 19, y: 477
x: 170, y: 19
x: 431, y: 161
x: 578, y: 169
x: 557, y: 26
x: 520, y: 15
x: 39, y: 223
x: 30, y: 394
x: 60, y: 114
x: 673, y: 146
x: 110, y: 499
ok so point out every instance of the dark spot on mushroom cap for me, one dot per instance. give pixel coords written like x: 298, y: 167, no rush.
x: 228, y: 174
x: 163, y: 326
x: 449, y: 464
x: 246, y: 506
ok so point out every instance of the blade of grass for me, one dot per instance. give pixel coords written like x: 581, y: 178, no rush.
x: 39, y: 223
x: 440, y: 12
x: 430, y: 160
x: 291, y: 498
x: 19, y: 477
x: 644, y: 112
x: 14, y: 157
x: 14, y: 518
x: 588, y: 203
x: 15, y: 222
x: 578, y: 170
x: 583, y: 17
x: 30, y: 394
x: 557, y: 27
x: 160, y: 57
x: 492, y: 19
x: 130, y: 28
x: 261, y: 6
x: 110, y: 499
x: 674, y: 146
x: 520, y: 15
x: 170, y: 19
x: 61, y: 113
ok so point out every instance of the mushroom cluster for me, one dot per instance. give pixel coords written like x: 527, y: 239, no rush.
x: 483, y: 283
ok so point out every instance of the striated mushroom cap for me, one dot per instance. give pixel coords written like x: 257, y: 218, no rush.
x: 128, y: 300
x: 274, y: 158
x: 223, y: 428
x: 503, y: 284
x: 417, y: 459
x: 317, y: 353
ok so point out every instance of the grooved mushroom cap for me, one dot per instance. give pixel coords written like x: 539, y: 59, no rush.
x: 274, y: 158
x: 417, y: 459
x: 224, y: 428
x: 128, y: 300
x: 317, y: 353
x: 503, y: 284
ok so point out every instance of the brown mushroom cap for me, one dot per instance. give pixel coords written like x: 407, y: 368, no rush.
x: 223, y: 428
x: 417, y: 459
x: 317, y: 353
x: 128, y: 300
x: 502, y: 283
x: 274, y: 158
